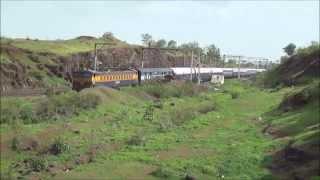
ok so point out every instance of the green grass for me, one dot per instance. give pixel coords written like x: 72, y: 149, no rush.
x: 60, y: 47
x: 301, y: 123
x: 208, y: 135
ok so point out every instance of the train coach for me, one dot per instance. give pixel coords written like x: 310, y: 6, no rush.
x: 156, y: 74
x: 89, y: 78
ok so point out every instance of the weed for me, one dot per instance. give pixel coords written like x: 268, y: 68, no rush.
x: 158, y: 104
x: 58, y: 147
x: 37, y: 163
x: 137, y: 140
x: 234, y: 94
x: 163, y: 172
x: 15, y: 143
x: 165, y: 123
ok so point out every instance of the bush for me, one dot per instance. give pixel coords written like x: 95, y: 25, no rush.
x: 66, y: 105
x: 14, y: 109
x: 37, y: 164
x: 234, y: 94
x: 15, y: 144
x: 58, y: 147
x: 89, y: 101
x: 137, y: 140
x: 206, y: 107
x: 181, y: 115
x: 165, y: 122
x: 166, y: 90
x: 158, y: 104
x: 163, y: 172
x: 27, y: 114
x: 52, y: 107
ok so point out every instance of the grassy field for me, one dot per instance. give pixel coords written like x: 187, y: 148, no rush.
x: 148, y: 133
x: 60, y: 47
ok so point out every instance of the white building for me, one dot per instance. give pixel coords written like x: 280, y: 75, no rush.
x: 217, y: 79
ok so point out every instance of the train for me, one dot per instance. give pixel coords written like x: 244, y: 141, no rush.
x: 114, y: 79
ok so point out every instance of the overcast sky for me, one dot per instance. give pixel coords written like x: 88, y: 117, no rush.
x: 251, y: 28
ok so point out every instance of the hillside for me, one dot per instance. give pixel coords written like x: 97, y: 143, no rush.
x: 296, y: 121
x: 297, y: 69
x: 41, y: 63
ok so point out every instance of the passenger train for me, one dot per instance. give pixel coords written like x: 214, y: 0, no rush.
x: 90, y: 78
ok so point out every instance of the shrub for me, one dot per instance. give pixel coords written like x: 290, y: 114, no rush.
x: 137, y: 140
x: 206, y: 107
x: 165, y: 122
x: 37, y: 164
x: 15, y: 144
x: 10, y: 110
x: 181, y: 115
x: 27, y: 114
x: 177, y: 89
x: 163, y: 172
x: 37, y: 75
x: 158, y: 104
x: 234, y: 94
x: 89, y: 101
x: 53, y: 107
x: 66, y: 105
x: 58, y: 147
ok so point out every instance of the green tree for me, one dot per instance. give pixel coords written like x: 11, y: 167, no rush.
x: 161, y: 43
x: 213, y: 54
x: 146, y: 39
x: 191, y: 46
x: 107, y: 35
x: 290, y: 49
x: 172, y: 44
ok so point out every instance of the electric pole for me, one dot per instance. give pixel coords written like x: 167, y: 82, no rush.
x: 191, y: 65
x: 239, y: 61
x: 199, y: 64
x: 96, y: 53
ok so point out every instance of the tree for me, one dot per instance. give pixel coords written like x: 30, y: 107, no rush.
x: 146, y: 39
x: 213, y: 53
x: 172, y: 44
x: 290, y: 49
x: 191, y: 46
x: 107, y: 35
x: 161, y: 43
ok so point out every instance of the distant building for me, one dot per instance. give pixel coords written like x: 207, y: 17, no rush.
x: 217, y: 79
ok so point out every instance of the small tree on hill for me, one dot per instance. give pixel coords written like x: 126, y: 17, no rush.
x: 290, y: 49
x: 161, y: 43
x: 107, y: 35
x: 172, y: 44
x: 146, y: 39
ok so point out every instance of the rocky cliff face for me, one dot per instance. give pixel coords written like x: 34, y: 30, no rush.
x: 21, y: 67
x: 24, y: 68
